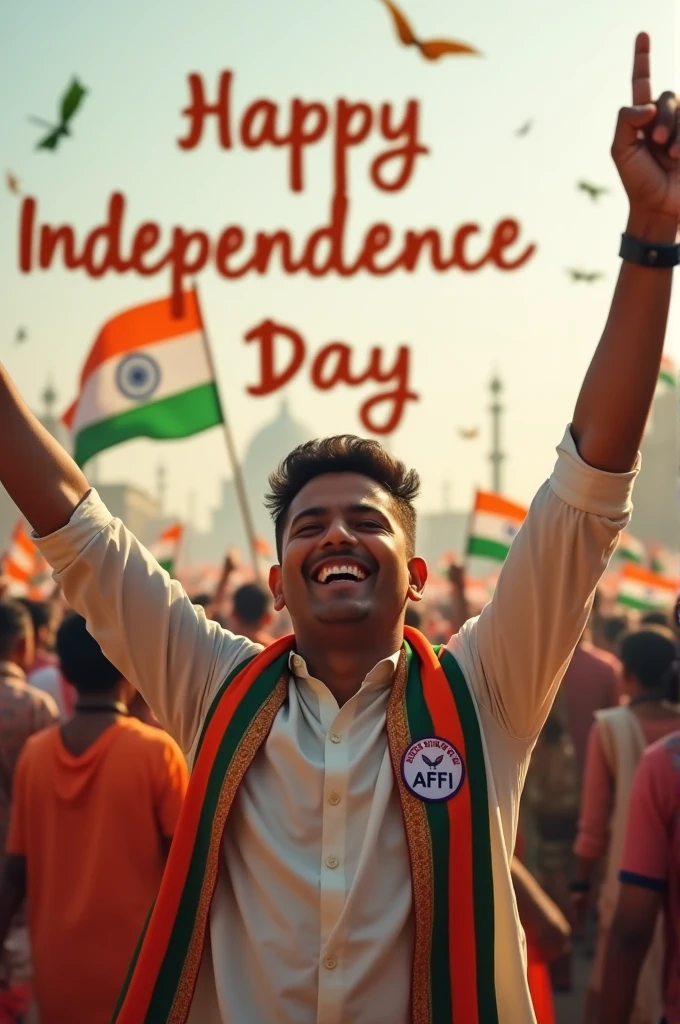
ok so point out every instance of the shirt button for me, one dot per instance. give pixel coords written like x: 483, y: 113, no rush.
x: 335, y: 737
x: 334, y: 798
x: 330, y: 962
x: 332, y: 861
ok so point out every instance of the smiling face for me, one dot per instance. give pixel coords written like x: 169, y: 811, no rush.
x: 345, y: 558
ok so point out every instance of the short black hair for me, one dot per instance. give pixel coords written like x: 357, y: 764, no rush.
x: 613, y: 627
x: 650, y: 655
x: 343, y: 453
x: 40, y: 612
x: 655, y: 619
x: 15, y: 623
x: 251, y: 603
x: 81, y: 658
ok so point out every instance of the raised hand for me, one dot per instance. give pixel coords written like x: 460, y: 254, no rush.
x: 646, y: 147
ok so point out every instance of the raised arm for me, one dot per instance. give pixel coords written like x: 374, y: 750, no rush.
x: 516, y: 653
x: 613, y: 406
x: 40, y: 477
x: 144, y: 623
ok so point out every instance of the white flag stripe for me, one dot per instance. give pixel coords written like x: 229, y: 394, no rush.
x: 498, y: 528
x: 164, y: 550
x: 635, y: 590
x: 182, y: 362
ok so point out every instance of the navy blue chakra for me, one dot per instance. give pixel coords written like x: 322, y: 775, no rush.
x: 138, y: 376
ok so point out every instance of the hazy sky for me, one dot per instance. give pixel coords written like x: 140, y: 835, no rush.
x: 566, y: 67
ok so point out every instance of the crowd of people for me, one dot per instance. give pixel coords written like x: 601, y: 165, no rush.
x: 354, y: 820
x: 91, y: 789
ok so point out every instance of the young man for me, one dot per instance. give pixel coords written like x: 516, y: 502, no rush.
x: 371, y: 788
x: 23, y: 712
x: 650, y: 874
x: 95, y: 806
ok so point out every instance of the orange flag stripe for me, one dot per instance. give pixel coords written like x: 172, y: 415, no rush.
x: 142, y: 325
x: 485, y: 501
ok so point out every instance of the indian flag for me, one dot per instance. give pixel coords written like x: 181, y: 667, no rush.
x: 165, y: 548
x: 494, y: 525
x: 631, y: 550
x: 645, y: 590
x: 147, y: 375
x: 665, y: 562
x: 28, y: 573
x: 668, y: 375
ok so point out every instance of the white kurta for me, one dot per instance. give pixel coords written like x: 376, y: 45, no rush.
x: 312, y: 921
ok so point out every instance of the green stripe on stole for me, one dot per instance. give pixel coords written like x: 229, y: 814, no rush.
x: 420, y: 726
x: 173, y: 962
x: 211, y: 711
x: 481, y: 842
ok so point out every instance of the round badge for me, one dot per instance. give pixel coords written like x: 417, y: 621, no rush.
x: 432, y: 769
x: 138, y: 376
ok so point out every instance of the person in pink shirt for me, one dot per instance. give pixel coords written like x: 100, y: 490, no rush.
x: 650, y: 882
x: 616, y: 743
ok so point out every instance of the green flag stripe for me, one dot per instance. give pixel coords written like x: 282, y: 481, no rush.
x: 181, y: 415
x: 485, y: 548
x: 211, y: 711
x: 175, y: 957
x: 420, y: 727
x: 481, y: 843
x: 639, y: 603
x: 218, y: 697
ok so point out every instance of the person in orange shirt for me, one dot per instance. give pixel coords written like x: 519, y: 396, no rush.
x: 96, y: 802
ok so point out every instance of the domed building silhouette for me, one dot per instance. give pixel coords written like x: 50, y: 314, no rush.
x: 265, y: 451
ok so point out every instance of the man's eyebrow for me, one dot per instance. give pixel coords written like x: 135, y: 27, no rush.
x: 315, y: 512
x: 318, y: 511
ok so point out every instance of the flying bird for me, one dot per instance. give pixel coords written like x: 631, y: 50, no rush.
x: 13, y: 183
x: 594, y: 191
x: 21, y: 335
x: 70, y: 103
x: 525, y: 129
x: 433, y: 764
x: 468, y: 433
x: 433, y: 49
x: 584, y: 275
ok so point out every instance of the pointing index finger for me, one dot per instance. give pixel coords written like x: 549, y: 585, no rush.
x: 642, y: 81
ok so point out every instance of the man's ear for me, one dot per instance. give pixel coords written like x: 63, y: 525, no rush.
x: 417, y: 571
x: 276, y: 587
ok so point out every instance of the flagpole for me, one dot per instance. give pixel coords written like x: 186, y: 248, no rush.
x: 231, y: 451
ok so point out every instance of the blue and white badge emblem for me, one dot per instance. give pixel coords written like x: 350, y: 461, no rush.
x: 138, y: 376
x: 432, y: 769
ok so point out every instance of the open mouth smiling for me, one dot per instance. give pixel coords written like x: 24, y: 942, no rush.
x: 339, y: 570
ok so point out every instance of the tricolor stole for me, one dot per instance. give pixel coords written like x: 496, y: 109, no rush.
x: 449, y: 843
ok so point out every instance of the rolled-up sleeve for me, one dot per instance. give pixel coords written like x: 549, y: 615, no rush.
x: 143, y: 621
x: 516, y: 652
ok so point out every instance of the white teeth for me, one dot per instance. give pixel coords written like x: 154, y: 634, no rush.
x: 337, y: 570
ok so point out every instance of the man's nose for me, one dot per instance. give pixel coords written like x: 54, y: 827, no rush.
x: 339, y: 532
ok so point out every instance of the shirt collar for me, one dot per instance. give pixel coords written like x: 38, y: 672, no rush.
x: 380, y: 674
x: 9, y: 670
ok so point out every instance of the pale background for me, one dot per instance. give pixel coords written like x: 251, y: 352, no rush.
x: 567, y: 67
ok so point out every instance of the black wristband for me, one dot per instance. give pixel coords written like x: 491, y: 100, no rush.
x: 656, y: 255
x: 579, y: 887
